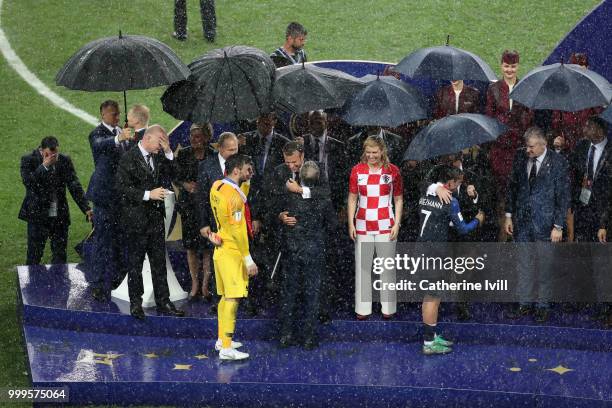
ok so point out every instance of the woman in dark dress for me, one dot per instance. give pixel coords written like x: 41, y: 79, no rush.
x: 198, y: 249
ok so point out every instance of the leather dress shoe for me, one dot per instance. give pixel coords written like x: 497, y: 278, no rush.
x: 137, y: 312
x: 169, y: 309
x: 541, y: 315
x: 310, y: 343
x: 517, y: 312
x: 100, y: 295
x: 287, y: 341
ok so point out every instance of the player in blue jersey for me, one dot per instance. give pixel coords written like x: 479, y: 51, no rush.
x: 436, y: 218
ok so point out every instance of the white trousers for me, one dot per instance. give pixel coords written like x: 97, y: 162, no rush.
x: 364, y: 257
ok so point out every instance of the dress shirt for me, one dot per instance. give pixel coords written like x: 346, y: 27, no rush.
x: 169, y: 156
x: 599, y: 148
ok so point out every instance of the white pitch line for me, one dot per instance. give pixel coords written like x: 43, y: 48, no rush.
x: 17, y: 64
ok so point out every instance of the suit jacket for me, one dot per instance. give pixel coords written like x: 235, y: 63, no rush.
x: 133, y: 178
x: 209, y: 171
x: 277, y: 196
x: 41, y: 184
x: 337, y: 170
x: 254, y: 148
x: 106, y: 155
x: 469, y: 101
x: 601, y: 188
x: 545, y: 204
x: 395, y: 147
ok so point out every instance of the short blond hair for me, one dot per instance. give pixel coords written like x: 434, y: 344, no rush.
x: 142, y: 113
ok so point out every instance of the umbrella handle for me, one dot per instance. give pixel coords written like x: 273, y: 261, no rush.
x: 125, y: 108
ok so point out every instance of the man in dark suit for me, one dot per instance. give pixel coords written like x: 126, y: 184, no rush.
x: 265, y: 146
x: 537, y: 200
x: 46, y: 174
x: 138, y: 119
x: 456, y: 98
x: 142, y: 213
x: 210, y: 170
x: 320, y: 146
x: 304, y: 246
x: 395, y: 145
x: 591, y: 164
x: 108, y: 143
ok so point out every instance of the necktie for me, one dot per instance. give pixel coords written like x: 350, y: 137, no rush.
x: 533, y: 172
x: 317, y: 149
x: 148, y: 158
x: 591, y: 163
x: 114, y: 132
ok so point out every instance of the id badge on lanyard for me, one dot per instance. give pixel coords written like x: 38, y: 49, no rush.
x: 585, y: 192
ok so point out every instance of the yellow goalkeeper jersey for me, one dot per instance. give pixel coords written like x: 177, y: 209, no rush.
x: 228, y: 207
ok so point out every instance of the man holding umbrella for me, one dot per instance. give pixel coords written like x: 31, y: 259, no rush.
x: 108, y: 143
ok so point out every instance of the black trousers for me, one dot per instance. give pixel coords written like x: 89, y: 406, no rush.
x: 54, y: 230
x: 207, y: 11
x: 300, y: 292
x: 149, y: 242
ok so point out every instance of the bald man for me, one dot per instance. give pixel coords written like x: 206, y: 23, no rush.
x: 141, y: 196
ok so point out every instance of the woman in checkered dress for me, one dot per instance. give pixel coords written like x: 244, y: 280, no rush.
x: 374, y: 211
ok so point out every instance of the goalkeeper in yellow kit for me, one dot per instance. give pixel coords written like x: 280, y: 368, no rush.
x: 232, y: 260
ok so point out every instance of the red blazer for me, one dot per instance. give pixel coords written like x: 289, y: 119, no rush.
x: 519, y: 119
x: 469, y: 101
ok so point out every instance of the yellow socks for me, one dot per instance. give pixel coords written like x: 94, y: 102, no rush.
x: 228, y: 313
x: 220, y: 308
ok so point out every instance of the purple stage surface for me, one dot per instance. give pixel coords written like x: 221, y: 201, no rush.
x: 105, y: 356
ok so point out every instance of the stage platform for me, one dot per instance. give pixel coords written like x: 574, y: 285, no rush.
x: 105, y: 356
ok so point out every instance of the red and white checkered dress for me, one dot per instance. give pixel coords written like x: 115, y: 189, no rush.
x: 375, y: 190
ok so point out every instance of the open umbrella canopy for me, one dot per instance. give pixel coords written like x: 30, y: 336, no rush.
x: 452, y: 134
x: 307, y: 87
x: 122, y: 63
x: 607, y: 114
x: 445, y: 62
x: 225, y: 85
x: 385, y: 101
x: 564, y: 87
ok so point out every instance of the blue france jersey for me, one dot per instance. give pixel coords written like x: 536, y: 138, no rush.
x: 437, y: 217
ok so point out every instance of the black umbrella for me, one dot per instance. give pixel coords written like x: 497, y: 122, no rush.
x: 607, y: 114
x: 385, y: 101
x: 445, y: 63
x: 122, y: 63
x: 564, y: 87
x: 225, y: 85
x: 452, y: 134
x: 306, y: 87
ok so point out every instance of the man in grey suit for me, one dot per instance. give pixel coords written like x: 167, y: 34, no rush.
x: 537, y: 201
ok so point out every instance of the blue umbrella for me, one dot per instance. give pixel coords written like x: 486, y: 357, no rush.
x: 452, y: 134
x: 385, y: 101
x: 565, y: 87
